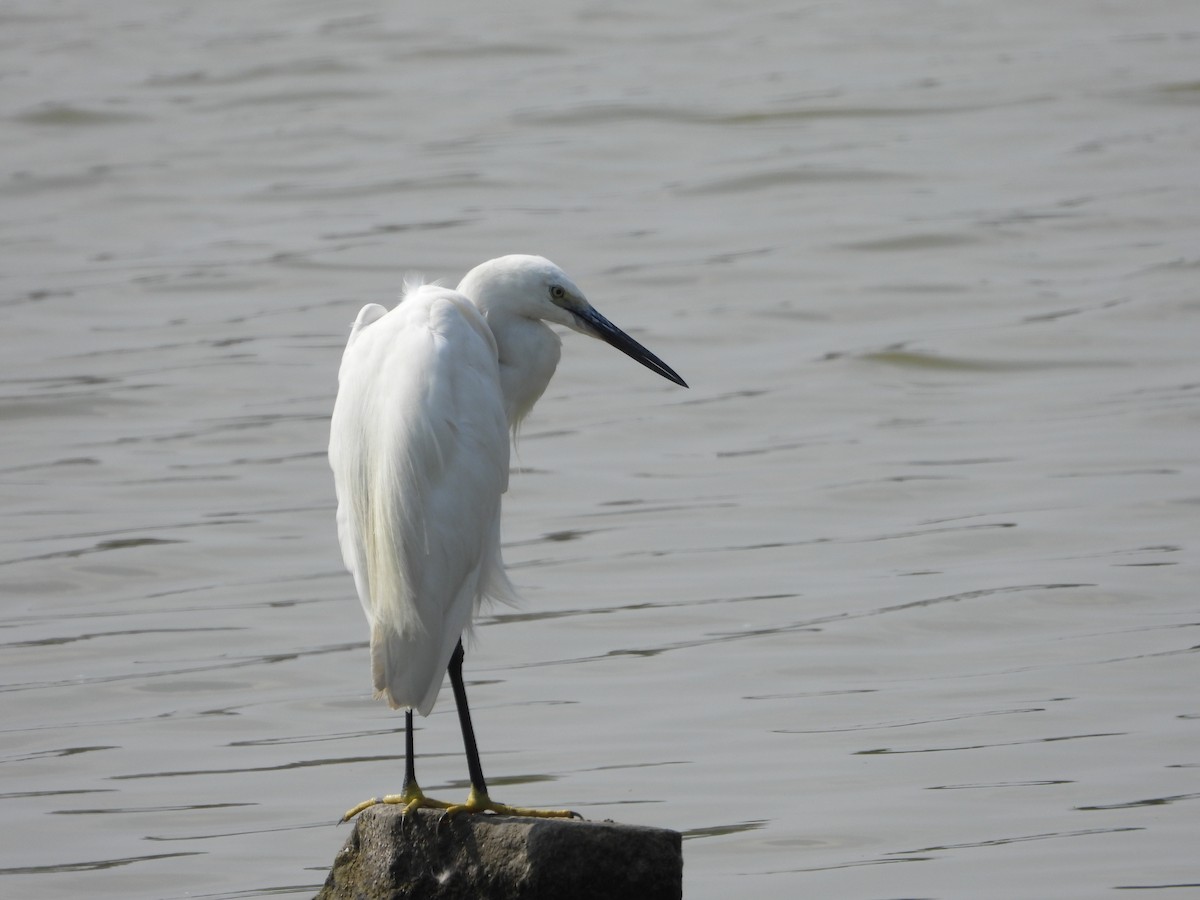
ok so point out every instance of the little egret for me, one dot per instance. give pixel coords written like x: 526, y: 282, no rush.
x: 419, y: 441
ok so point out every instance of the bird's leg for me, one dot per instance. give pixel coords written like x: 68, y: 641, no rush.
x: 411, y: 797
x: 474, y: 767
x: 478, y: 800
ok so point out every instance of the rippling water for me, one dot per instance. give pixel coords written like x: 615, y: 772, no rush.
x: 898, y: 600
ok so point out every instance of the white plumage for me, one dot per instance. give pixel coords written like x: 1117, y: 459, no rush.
x: 420, y: 464
x: 419, y: 447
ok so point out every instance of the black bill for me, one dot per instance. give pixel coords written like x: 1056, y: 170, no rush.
x: 609, y: 333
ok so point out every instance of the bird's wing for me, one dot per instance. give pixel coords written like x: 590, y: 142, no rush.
x: 419, y: 451
x: 372, y: 312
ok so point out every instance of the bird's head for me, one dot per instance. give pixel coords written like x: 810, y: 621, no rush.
x: 535, y: 288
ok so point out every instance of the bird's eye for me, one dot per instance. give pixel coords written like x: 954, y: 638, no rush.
x: 557, y: 292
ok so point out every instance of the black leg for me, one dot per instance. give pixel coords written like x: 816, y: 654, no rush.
x: 479, y: 801
x: 464, y: 719
x: 410, y: 758
x: 411, y: 797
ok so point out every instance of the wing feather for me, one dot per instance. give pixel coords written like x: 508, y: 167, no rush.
x: 419, y: 450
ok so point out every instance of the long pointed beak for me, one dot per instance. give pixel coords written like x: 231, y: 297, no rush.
x: 598, y: 326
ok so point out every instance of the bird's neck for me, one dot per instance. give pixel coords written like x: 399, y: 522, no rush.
x: 529, y: 352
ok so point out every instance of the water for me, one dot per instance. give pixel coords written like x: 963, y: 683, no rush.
x: 897, y: 601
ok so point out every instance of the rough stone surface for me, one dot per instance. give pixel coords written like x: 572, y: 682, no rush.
x: 486, y: 857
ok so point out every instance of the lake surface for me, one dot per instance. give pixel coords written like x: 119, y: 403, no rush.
x: 898, y: 600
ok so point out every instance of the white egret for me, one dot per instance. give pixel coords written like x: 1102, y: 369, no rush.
x: 419, y: 445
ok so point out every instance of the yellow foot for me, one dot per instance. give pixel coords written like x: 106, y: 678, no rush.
x: 482, y: 803
x: 411, y: 799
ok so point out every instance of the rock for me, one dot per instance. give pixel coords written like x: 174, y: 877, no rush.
x: 474, y: 857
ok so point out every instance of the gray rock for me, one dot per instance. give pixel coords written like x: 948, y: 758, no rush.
x: 486, y: 857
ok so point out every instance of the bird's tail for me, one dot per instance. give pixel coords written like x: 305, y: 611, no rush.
x: 408, y: 673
